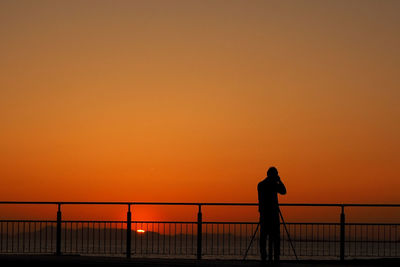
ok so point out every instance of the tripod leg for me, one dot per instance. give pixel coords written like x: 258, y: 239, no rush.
x: 251, y: 241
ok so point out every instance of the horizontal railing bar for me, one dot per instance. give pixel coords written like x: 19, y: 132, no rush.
x: 312, y: 223
x: 64, y: 221
x: 194, y: 204
x: 27, y: 221
x: 328, y: 223
x: 87, y: 221
x: 94, y: 221
x: 387, y: 224
x: 339, y: 205
x: 192, y: 222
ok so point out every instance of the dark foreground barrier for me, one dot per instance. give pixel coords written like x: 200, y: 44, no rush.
x: 196, y: 239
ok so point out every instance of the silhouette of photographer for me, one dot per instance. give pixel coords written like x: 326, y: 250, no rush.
x: 268, y: 207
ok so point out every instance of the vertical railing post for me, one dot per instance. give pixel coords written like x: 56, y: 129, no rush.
x: 128, y: 231
x: 58, y: 234
x: 342, y: 233
x: 199, y: 232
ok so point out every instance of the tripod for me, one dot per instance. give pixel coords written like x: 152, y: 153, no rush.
x: 287, y: 232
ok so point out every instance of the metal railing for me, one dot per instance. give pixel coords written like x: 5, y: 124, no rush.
x: 334, y: 240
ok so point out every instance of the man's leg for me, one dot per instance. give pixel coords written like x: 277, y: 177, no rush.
x: 270, y: 246
x: 277, y: 245
x: 263, y: 242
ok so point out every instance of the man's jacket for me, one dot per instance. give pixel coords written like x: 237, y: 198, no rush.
x: 268, y: 190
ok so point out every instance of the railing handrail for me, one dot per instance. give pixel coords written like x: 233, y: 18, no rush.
x: 194, y: 203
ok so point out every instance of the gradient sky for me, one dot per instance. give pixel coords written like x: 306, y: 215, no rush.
x: 194, y: 100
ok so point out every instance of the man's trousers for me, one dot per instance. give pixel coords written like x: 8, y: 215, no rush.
x: 270, y: 228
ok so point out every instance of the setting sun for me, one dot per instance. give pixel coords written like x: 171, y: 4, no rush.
x: 140, y: 231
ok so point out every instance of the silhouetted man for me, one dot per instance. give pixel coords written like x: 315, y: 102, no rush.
x: 268, y: 207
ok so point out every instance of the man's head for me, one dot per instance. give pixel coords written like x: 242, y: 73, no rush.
x: 272, y: 172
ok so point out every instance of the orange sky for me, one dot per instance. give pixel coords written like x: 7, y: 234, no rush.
x: 193, y: 101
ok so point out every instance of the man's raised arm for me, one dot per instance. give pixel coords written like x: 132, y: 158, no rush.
x: 281, y: 189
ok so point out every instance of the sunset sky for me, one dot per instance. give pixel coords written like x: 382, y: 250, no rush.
x: 194, y: 100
